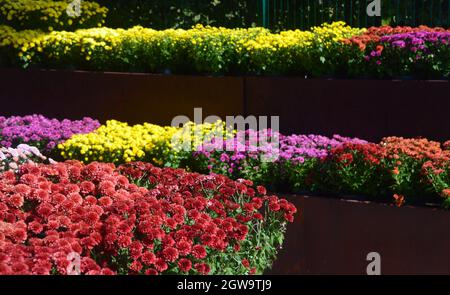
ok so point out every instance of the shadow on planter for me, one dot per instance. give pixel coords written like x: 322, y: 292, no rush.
x: 368, y: 109
x: 332, y: 236
x: 134, y: 98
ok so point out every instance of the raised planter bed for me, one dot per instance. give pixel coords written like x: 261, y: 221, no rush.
x: 332, y: 236
x: 369, y: 109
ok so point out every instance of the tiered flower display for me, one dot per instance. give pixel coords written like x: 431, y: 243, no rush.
x: 126, y: 199
x: 411, y: 171
x: 141, y: 219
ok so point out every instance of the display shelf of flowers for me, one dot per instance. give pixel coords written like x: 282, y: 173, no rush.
x: 130, y: 199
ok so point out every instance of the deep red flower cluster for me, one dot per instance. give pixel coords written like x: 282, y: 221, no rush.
x: 196, y: 185
x: 369, y: 152
x: 354, y: 168
x: 172, y: 221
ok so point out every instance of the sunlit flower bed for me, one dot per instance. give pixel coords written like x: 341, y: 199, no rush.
x: 325, y: 51
x: 403, y: 51
x: 135, y: 219
x: 411, y: 171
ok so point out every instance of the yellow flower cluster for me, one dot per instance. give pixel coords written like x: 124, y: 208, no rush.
x: 97, y: 42
x: 335, y: 33
x: 115, y: 142
x: 190, y: 137
x: 14, y: 45
x: 118, y: 142
x: 202, y: 49
x: 11, y: 38
x: 50, y: 15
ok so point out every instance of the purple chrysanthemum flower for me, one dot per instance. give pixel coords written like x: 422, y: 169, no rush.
x: 40, y: 131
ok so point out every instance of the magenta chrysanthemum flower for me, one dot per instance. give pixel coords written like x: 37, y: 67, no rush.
x: 40, y: 131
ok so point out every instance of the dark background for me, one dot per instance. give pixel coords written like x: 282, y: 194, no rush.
x: 274, y: 14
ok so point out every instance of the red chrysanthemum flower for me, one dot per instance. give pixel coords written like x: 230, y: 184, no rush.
x: 105, y: 201
x: 19, y: 235
x: 185, y: 265
x: 35, y: 227
x: 22, y: 189
x: 136, y: 266
x: 161, y: 265
x: 87, y: 187
x: 199, y: 252
x: 202, y: 268
x: 170, y: 254
x: 148, y: 258
x: 16, y: 200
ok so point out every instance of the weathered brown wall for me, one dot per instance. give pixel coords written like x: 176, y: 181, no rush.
x: 135, y: 98
x: 334, y: 237
x: 369, y: 109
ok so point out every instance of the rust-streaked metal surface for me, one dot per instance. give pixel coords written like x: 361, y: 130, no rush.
x: 135, y: 98
x: 333, y: 236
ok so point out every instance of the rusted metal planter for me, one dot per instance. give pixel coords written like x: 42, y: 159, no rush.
x: 134, y: 98
x: 332, y: 236
x: 369, y: 109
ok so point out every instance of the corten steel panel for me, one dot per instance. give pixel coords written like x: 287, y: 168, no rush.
x: 369, y: 109
x: 332, y: 236
x: 134, y: 98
